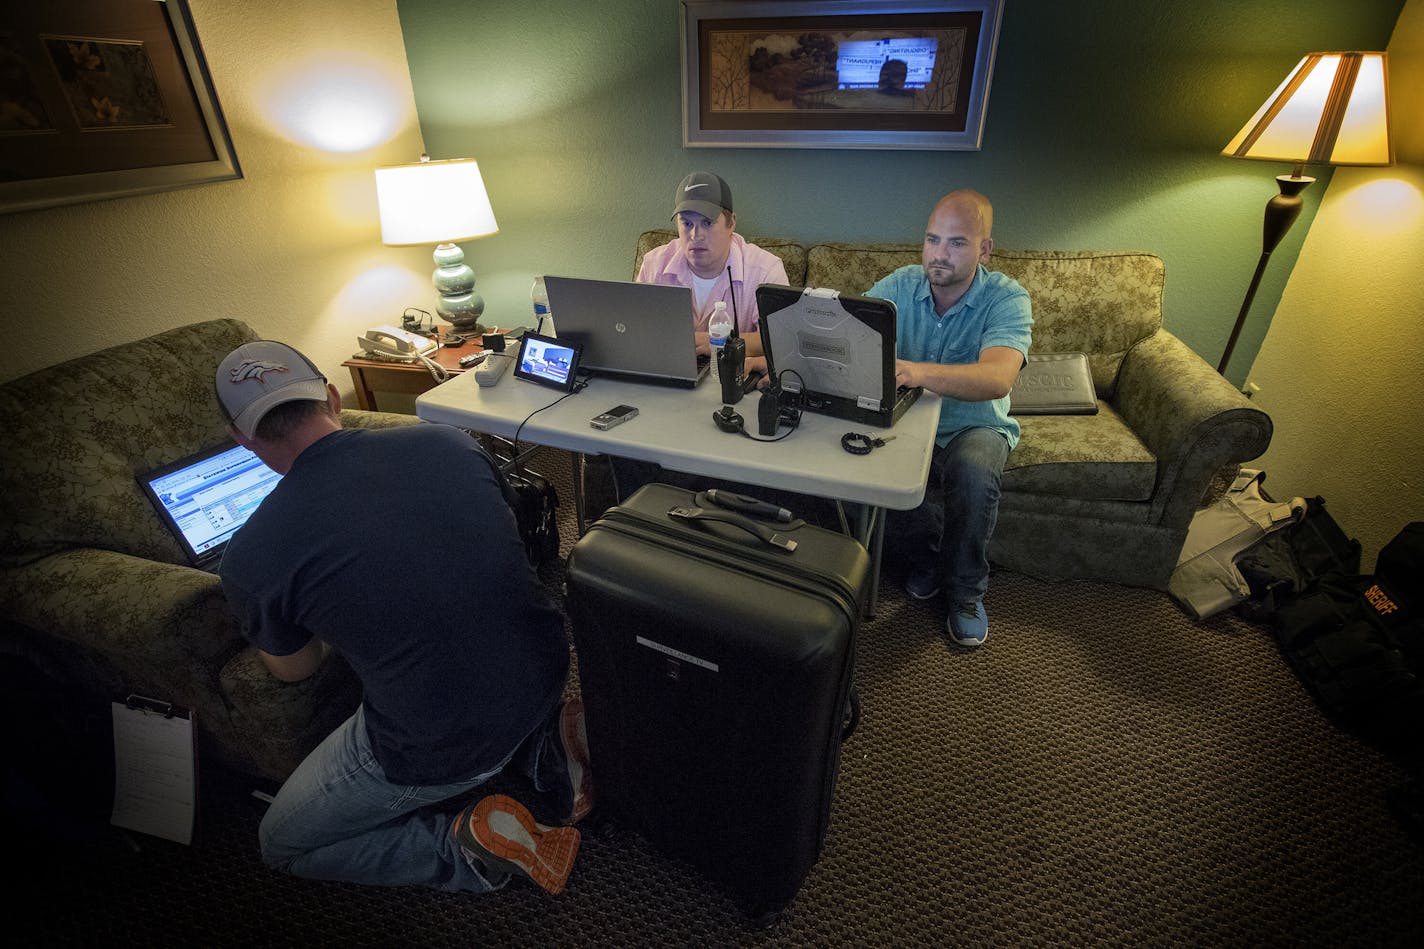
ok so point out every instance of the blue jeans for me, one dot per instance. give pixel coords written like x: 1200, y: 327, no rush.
x: 338, y: 818
x: 960, y: 509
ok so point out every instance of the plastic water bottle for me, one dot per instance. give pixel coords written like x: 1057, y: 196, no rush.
x: 719, y: 327
x: 543, y: 317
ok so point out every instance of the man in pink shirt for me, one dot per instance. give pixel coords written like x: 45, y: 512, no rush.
x: 716, y: 263
x: 713, y: 260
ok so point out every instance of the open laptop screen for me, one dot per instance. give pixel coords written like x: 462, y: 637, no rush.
x: 206, y: 497
x: 640, y: 331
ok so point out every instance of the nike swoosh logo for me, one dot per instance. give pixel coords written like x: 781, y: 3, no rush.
x: 690, y: 187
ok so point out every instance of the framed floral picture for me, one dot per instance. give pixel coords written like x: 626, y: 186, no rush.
x: 847, y: 74
x: 102, y: 99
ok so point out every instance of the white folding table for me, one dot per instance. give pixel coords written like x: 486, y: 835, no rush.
x: 674, y: 428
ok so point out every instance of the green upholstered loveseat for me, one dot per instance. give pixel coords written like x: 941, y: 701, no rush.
x: 1106, y: 496
x: 90, y: 576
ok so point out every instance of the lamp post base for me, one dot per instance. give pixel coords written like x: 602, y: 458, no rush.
x: 1281, y: 212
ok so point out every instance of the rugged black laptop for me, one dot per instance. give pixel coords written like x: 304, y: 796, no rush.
x: 206, y: 497
x: 841, y: 347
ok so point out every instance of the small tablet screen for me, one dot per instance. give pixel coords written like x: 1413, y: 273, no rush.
x: 547, y: 361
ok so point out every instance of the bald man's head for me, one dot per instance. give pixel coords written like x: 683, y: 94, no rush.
x: 957, y: 240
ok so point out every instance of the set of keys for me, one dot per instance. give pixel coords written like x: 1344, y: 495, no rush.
x: 860, y: 444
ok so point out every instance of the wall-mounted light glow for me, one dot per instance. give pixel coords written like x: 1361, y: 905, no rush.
x: 380, y: 288
x: 1382, y: 207
x: 337, y: 105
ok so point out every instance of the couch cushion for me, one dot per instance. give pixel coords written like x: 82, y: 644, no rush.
x: 792, y: 254
x: 853, y: 268
x: 1094, y: 457
x: 1096, y: 302
x: 73, y: 437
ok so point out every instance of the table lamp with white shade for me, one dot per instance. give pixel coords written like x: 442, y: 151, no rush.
x: 441, y: 203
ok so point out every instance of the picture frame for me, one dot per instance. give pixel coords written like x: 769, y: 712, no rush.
x: 841, y: 74
x: 104, y: 100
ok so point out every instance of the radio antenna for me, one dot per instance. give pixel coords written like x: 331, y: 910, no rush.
x: 734, y: 334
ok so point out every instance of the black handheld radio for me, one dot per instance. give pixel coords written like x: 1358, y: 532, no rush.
x: 732, y: 357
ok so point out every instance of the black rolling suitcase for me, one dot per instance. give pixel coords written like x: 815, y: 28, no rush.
x: 716, y: 667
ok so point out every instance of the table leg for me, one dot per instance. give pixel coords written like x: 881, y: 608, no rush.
x: 365, y: 398
x: 579, y: 512
x: 867, y: 525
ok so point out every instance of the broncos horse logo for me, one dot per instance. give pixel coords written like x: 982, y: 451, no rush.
x: 255, y: 369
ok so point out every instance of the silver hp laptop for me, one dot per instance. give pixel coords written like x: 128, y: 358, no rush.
x: 639, y: 330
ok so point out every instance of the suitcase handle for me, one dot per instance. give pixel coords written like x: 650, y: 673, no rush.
x: 760, y: 531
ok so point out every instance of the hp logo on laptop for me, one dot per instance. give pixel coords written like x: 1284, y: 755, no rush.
x: 621, y: 327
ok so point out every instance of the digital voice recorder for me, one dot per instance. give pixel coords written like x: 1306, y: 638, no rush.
x: 614, y: 416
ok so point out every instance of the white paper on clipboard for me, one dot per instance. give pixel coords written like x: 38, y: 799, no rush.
x: 155, y: 775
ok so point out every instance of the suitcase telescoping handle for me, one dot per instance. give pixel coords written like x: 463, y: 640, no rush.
x: 760, y: 531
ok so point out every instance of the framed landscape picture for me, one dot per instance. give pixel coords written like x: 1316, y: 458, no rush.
x: 102, y: 99
x: 847, y: 74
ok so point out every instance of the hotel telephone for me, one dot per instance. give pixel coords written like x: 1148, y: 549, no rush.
x: 398, y: 345
x: 390, y: 341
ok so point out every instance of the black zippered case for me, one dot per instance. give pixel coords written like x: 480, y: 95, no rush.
x: 716, y: 667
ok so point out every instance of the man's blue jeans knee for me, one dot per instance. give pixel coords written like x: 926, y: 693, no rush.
x: 960, y: 509
x: 339, y: 818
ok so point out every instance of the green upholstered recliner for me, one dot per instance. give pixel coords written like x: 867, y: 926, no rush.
x: 89, y: 574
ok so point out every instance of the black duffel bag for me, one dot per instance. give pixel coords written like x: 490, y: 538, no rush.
x: 1358, y: 643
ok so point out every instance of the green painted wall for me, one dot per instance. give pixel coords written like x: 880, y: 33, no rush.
x: 1104, y: 127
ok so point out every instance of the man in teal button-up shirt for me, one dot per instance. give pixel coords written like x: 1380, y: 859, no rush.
x: 963, y: 333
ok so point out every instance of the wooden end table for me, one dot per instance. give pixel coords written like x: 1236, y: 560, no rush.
x: 370, y: 376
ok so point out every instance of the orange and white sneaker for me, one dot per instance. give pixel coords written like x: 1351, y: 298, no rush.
x: 500, y: 833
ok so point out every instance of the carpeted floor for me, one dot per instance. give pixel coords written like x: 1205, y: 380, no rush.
x: 1104, y: 771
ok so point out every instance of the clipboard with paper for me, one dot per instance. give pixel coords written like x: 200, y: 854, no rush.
x: 155, y: 768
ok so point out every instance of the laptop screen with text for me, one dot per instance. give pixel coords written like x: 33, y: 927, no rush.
x: 206, y: 497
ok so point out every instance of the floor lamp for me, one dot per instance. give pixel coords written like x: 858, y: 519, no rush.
x: 1333, y: 109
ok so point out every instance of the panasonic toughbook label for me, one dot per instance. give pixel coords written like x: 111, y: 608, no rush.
x: 677, y: 654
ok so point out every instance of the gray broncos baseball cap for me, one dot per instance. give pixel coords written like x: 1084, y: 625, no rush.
x: 704, y: 193
x: 257, y: 377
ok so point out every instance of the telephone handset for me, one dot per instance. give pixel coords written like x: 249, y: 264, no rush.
x: 391, y: 341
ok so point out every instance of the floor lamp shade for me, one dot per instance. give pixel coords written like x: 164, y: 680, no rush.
x: 441, y: 203
x: 1332, y: 109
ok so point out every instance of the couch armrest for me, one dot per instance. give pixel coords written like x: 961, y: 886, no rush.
x: 1192, y: 419
x: 366, y: 418
x: 157, y: 625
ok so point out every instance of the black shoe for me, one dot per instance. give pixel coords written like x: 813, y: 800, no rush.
x: 924, y: 582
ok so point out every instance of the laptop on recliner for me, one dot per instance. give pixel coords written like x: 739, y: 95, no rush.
x: 640, y: 331
x: 204, y: 498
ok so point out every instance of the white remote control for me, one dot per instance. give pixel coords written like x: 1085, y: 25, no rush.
x: 488, y: 372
